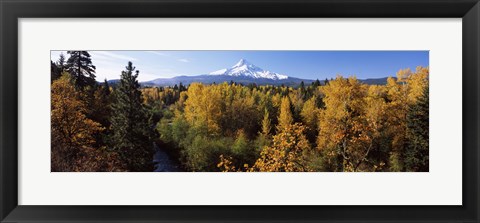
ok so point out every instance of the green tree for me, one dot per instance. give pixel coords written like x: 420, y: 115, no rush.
x: 55, y: 73
x: 101, y: 106
x: 241, y: 147
x: 61, y: 62
x: 80, y: 66
x: 416, y: 151
x: 132, y: 131
x: 57, y: 68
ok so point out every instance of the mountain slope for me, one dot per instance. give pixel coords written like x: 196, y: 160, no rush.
x: 242, y: 72
x: 210, y: 79
x: 246, y: 69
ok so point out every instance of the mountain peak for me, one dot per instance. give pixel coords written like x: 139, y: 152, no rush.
x: 247, y: 69
x: 241, y: 63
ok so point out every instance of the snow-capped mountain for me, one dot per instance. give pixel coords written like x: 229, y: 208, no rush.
x: 243, y: 72
x: 246, y: 69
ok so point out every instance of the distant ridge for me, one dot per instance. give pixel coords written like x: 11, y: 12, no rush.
x: 243, y: 72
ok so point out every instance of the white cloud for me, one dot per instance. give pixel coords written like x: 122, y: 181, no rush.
x: 55, y: 55
x: 159, y: 53
x: 110, y: 65
x: 109, y: 54
x: 184, y: 60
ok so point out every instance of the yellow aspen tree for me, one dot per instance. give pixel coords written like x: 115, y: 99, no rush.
x: 417, y: 83
x: 309, y: 115
x: 343, y: 137
x: 402, y: 94
x: 266, y: 124
x: 288, y: 153
x: 285, y: 117
x: 397, y: 94
x: 203, y: 108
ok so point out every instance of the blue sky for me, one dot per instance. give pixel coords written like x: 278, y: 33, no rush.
x: 301, y: 64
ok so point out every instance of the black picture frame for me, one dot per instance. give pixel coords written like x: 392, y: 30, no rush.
x: 12, y: 10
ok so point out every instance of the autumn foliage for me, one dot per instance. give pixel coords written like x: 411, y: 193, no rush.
x: 344, y: 125
x: 73, y: 134
x: 337, y: 125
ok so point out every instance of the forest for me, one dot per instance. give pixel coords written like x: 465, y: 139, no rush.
x: 336, y: 125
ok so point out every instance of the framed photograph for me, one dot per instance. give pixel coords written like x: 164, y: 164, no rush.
x: 227, y: 111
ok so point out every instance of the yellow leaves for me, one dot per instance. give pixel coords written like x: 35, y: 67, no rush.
x: 266, y: 124
x: 309, y: 113
x: 226, y: 164
x: 285, y: 118
x: 69, y: 123
x: 202, y: 107
x: 417, y: 83
x: 287, y: 152
x: 404, y: 93
x: 403, y: 74
x: 352, y: 119
x: 72, y: 132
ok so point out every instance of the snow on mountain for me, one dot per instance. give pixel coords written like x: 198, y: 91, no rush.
x: 245, y: 68
x: 219, y: 72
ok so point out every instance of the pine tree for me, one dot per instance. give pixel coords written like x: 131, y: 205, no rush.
x: 80, y: 66
x: 132, y: 132
x: 61, y: 62
x: 416, y: 151
x: 101, y: 106
x: 302, y: 85
x: 54, y: 72
x: 182, y: 87
x: 106, y: 88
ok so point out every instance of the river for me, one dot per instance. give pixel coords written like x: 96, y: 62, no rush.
x: 163, y: 163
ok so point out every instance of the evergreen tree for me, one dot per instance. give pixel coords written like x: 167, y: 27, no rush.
x: 416, y: 151
x: 106, y: 88
x: 80, y: 66
x: 101, y: 106
x: 302, y: 85
x: 61, y: 62
x: 54, y: 72
x: 182, y: 87
x: 57, y: 68
x: 132, y: 132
